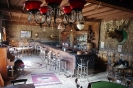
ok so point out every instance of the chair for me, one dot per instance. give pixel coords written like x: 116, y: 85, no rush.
x: 111, y: 73
x: 128, y: 79
x: 85, y: 62
x: 120, y: 71
x: 110, y: 69
x: 30, y: 50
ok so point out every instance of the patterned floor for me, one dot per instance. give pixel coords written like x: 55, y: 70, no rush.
x: 34, y: 64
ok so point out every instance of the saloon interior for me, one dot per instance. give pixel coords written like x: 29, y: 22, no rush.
x: 66, y: 43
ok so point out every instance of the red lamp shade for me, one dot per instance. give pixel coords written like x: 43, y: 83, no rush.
x: 32, y: 5
x: 43, y: 10
x: 77, y: 4
x: 53, y: 2
x: 67, y: 10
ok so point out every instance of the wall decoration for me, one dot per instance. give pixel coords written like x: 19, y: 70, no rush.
x: 124, y: 37
x: 116, y: 30
x: 119, y: 48
x: 25, y: 34
x: 36, y: 35
x: 102, y: 44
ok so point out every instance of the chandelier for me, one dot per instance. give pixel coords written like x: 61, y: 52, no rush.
x: 52, y: 12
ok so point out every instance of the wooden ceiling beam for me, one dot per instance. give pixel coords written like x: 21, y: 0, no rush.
x: 20, y: 15
x: 19, y: 21
x: 109, y: 5
x: 64, y: 2
x: 106, y: 13
x: 97, y: 11
x: 12, y: 10
x: 22, y: 23
x: 118, y: 16
x: 43, y: 3
x: 15, y: 19
x: 89, y: 7
x: 93, y: 20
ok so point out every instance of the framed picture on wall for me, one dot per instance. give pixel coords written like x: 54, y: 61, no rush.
x: 119, y: 48
x: 25, y: 34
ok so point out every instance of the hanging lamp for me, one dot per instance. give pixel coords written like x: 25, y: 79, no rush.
x: 80, y: 25
x: 32, y: 7
x: 52, y: 12
x: 77, y: 6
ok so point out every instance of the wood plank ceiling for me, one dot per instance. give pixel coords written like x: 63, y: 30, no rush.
x: 14, y: 11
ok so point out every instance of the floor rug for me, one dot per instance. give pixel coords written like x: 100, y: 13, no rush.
x: 45, y: 79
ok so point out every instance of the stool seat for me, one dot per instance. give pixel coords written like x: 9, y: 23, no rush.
x: 83, y: 64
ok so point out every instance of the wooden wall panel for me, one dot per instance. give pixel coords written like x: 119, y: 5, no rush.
x: 3, y: 63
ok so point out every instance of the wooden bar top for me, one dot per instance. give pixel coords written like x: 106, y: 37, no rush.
x: 68, y: 55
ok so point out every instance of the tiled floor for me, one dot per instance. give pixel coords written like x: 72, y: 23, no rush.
x: 34, y: 64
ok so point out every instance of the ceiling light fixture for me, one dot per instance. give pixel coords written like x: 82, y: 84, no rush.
x: 33, y: 8
x: 77, y: 6
x: 50, y: 13
x: 67, y: 14
x: 80, y: 25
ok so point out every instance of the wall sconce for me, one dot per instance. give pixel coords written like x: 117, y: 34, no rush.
x: 36, y: 35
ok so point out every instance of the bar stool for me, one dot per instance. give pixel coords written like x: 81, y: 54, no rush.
x: 15, y: 53
x: 63, y: 66
x: 38, y: 48
x: 56, y: 63
x: 30, y: 50
x: 41, y: 53
x: 53, y: 63
x: 50, y: 59
x: 82, y: 68
x: 84, y: 62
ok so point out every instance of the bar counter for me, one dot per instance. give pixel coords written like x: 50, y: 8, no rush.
x: 69, y: 56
